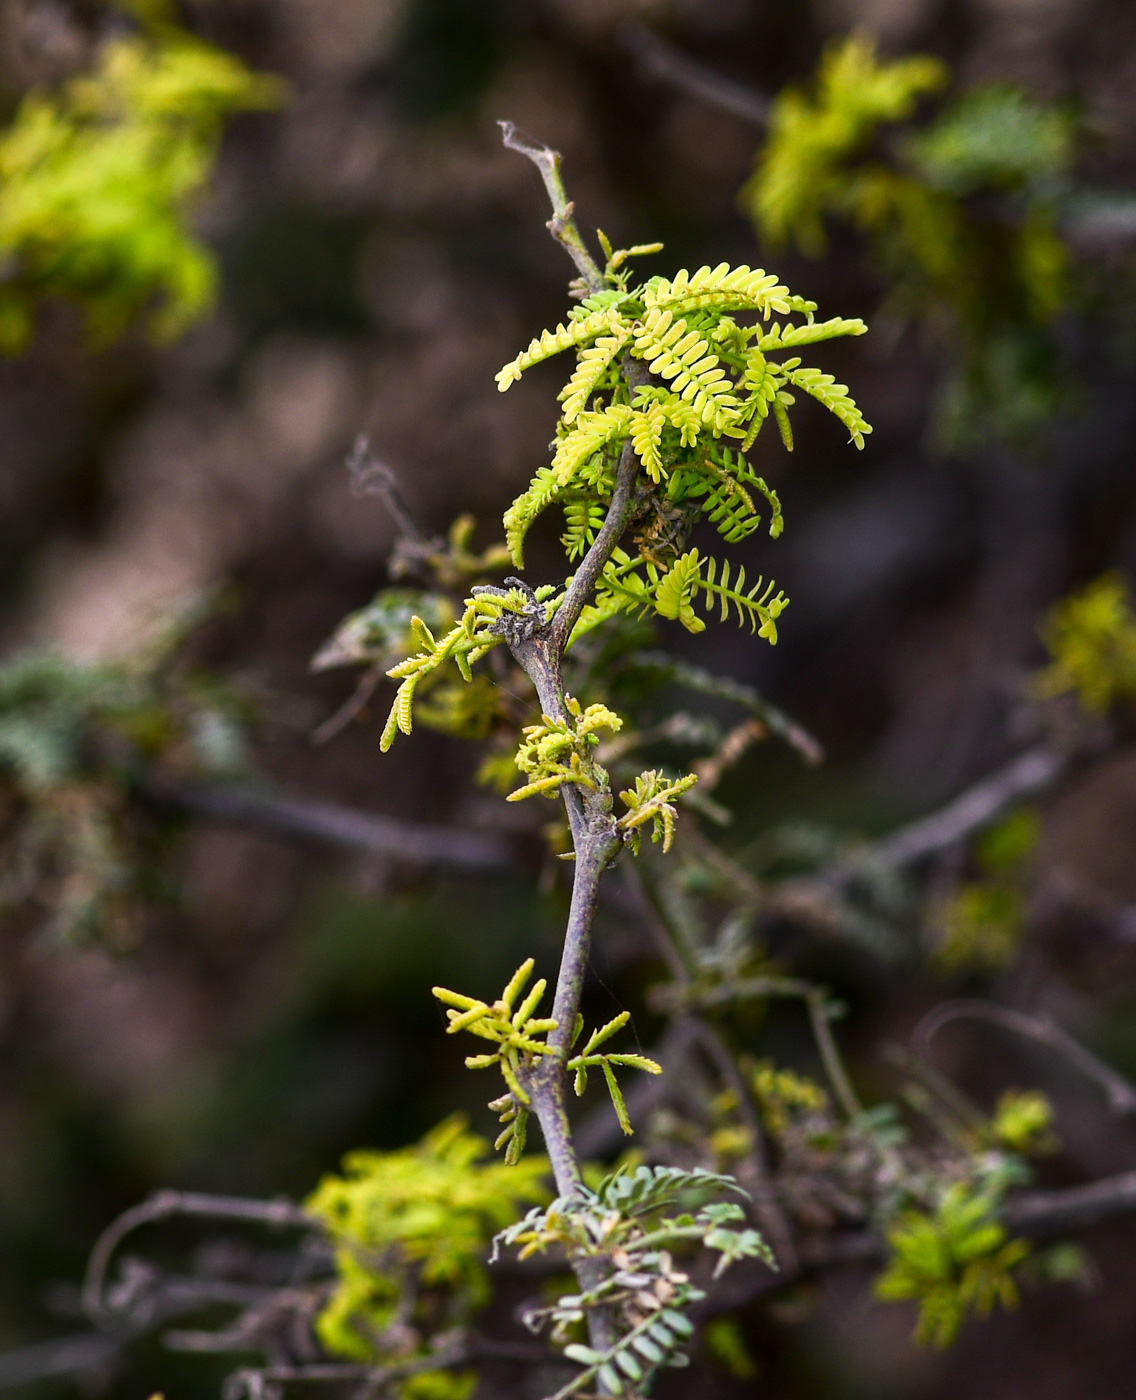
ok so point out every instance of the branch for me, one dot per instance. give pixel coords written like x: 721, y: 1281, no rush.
x: 562, y: 225
x: 1120, y: 1092
x: 1073, y: 1208
x: 64, y: 1356
x: 414, y: 842
x: 1038, y: 1214
x: 661, y: 60
x: 260, y: 1383
x: 669, y: 997
x: 370, y: 477
x: 164, y: 1204
x: 539, y: 650
x: 615, y: 522
x: 1027, y: 775
x: 352, y: 707
x: 726, y: 688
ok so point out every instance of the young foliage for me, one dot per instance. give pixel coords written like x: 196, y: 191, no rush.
x: 410, y: 1230
x: 651, y: 800
x: 97, y: 180
x: 713, y: 382
x: 1091, y: 636
x: 589, y: 1059
x: 962, y: 217
x: 518, y: 1036
x: 554, y: 752
x: 951, y: 1261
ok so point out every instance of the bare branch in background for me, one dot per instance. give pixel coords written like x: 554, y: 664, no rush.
x: 1120, y: 1092
x: 89, y: 1353
x: 164, y: 1204
x: 662, y: 61
x: 726, y: 688
x: 416, y: 843
x: 352, y: 707
x: 370, y: 477
x: 1028, y: 775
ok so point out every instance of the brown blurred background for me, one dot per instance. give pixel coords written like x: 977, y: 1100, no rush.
x: 382, y: 256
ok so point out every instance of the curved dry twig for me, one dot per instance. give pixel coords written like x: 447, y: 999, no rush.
x: 1121, y: 1093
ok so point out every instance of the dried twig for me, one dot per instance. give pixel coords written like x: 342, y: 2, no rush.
x: 370, y: 477
x: 1120, y: 1092
x: 562, y: 225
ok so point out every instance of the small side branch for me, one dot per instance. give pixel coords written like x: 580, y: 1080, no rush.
x: 1074, y: 1208
x: 562, y: 225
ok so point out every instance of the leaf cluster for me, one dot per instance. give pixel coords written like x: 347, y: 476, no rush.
x: 1091, y: 637
x: 961, y: 214
x: 410, y: 1230
x: 952, y: 1261
x: 556, y: 752
x: 519, y: 1039
x: 713, y: 383
x: 627, y: 1218
x: 97, y: 180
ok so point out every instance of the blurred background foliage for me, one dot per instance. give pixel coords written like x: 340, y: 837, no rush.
x: 237, y: 234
